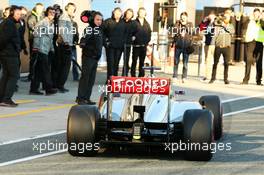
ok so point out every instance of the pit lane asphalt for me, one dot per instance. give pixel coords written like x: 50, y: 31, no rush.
x: 244, y: 131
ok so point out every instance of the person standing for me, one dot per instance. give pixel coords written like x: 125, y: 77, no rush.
x: 6, y: 13
x: 10, y: 44
x: 114, y: 29
x: 131, y: 28
x: 183, y: 43
x: 250, y: 43
x: 42, y: 46
x: 55, y: 60
x: 207, y: 25
x: 142, y: 38
x: 258, y: 51
x: 223, y: 38
x: 91, y: 44
x: 65, y: 42
x: 75, y: 72
x: 35, y: 16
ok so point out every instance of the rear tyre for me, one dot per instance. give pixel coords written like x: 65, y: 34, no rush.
x: 198, y: 134
x: 81, y: 130
x: 213, y: 103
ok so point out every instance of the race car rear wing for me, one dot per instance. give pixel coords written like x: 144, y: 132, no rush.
x: 138, y: 85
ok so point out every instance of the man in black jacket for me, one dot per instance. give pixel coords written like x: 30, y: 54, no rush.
x: 91, y: 44
x: 10, y: 44
x: 142, y: 38
x: 114, y: 30
x: 131, y: 29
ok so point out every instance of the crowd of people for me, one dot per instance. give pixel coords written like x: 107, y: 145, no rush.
x: 53, y: 37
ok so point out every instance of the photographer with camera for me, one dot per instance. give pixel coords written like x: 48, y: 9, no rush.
x: 223, y: 37
x: 91, y: 44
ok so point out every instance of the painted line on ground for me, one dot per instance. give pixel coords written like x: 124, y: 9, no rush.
x: 25, y: 101
x: 33, y: 138
x: 51, y: 108
x: 31, y: 158
x: 242, y: 98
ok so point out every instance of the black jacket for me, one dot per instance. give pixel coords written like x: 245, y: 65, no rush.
x: 22, y: 29
x: 131, y: 28
x: 143, y: 33
x: 92, y: 43
x: 10, y: 41
x: 114, y: 33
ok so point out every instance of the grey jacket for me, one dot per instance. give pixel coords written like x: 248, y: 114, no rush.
x: 223, y: 35
x: 43, y: 36
x: 66, y: 29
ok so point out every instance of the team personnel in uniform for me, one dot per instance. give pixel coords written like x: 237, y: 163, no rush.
x: 114, y: 30
x: 91, y: 45
x: 142, y: 38
x: 131, y: 29
x: 10, y: 44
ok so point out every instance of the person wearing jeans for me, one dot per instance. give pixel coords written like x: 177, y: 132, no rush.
x: 182, y: 41
x: 185, y: 60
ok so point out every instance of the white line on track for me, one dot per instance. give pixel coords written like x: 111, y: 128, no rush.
x: 64, y: 131
x: 32, y: 138
x: 31, y: 157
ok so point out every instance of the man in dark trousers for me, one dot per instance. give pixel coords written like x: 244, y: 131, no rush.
x: 91, y: 44
x: 114, y: 30
x: 131, y: 29
x: 10, y: 44
x: 35, y: 16
x: 65, y: 42
x: 43, y: 46
x: 223, y: 38
x: 142, y: 38
x: 251, y: 34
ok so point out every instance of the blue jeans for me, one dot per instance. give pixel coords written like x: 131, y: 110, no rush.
x: 75, y: 72
x: 178, y: 53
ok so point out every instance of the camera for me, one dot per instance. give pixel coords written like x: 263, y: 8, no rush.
x: 87, y: 16
x: 219, y: 20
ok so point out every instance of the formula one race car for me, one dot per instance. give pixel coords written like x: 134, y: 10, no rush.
x: 137, y: 111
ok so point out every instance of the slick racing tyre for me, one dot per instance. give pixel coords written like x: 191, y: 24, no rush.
x: 81, y: 130
x: 198, y: 134
x: 213, y: 104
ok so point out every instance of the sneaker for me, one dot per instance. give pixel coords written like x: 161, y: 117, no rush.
x: 51, y: 92
x: 259, y: 84
x: 89, y: 102
x: 63, y: 90
x: 183, y: 80
x: 244, y: 83
x: 8, y: 103
x: 227, y: 82
x: 36, y: 93
x: 81, y: 101
x: 211, y: 81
